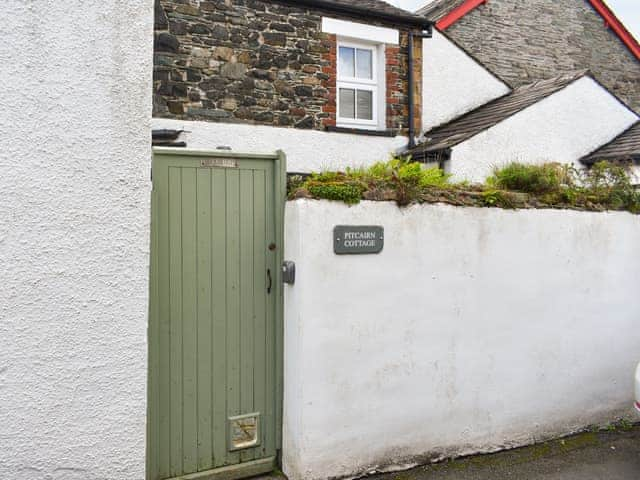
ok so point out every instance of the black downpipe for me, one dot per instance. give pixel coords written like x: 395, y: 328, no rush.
x: 410, y: 83
x: 412, y: 108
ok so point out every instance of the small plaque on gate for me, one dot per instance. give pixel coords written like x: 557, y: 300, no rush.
x: 219, y: 162
x: 358, y: 240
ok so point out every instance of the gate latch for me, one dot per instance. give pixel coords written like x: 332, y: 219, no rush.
x: 289, y: 273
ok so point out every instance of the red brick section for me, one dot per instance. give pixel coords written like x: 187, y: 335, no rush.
x: 397, y: 85
x: 397, y: 107
x: 329, y: 69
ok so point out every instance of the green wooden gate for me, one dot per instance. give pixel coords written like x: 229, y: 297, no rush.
x: 215, y: 319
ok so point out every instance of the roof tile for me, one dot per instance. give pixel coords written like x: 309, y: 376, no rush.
x: 374, y: 8
x: 375, y: 5
x: 438, y: 9
x: 625, y: 147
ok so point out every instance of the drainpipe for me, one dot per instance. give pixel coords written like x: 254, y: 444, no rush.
x: 411, y: 81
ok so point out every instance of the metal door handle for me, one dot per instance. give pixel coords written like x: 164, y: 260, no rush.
x: 270, y: 281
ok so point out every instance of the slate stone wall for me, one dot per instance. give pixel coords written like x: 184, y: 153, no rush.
x: 252, y: 61
x: 524, y: 40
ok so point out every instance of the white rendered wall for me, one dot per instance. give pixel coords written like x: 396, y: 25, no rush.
x: 561, y: 128
x: 307, y: 150
x: 453, y: 83
x: 74, y: 229
x: 474, y: 330
x: 360, y: 31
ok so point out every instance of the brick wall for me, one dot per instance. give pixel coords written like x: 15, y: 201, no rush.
x: 397, y: 102
x: 524, y: 40
x: 330, y: 70
x: 251, y: 61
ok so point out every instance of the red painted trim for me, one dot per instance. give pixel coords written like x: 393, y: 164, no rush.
x: 457, y: 13
x: 614, y: 23
x: 610, y: 19
x: 638, y: 406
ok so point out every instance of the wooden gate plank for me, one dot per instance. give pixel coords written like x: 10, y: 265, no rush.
x: 246, y: 304
x: 204, y: 327
x: 233, y: 301
x: 175, y: 280
x: 164, y: 324
x: 219, y: 308
x: 189, y: 322
x: 260, y: 247
x: 270, y: 337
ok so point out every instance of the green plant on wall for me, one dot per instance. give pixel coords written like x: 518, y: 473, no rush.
x: 534, y: 179
x: 516, y: 185
x: 497, y: 198
x: 346, y: 192
x: 405, y: 178
x: 403, y: 170
x: 610, y: 185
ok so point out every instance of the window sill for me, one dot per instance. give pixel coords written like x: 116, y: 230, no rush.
x: 362, y: 131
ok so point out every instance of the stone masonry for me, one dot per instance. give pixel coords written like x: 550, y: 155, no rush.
x: 524, y: 40
x: 259, y: 62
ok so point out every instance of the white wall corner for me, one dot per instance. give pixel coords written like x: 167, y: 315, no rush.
x: 293, y: 352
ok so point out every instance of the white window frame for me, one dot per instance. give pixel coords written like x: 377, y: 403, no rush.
x: 374, y: 85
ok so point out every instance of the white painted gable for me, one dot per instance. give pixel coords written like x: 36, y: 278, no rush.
x: 453, y: 82
x: 562, y: 128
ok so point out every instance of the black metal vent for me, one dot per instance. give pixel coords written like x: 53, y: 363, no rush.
x: 167, y: 138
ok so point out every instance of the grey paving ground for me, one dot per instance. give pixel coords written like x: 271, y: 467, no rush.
x: 590, y: 456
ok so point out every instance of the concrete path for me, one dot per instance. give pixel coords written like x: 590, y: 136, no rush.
x: 590, y: 456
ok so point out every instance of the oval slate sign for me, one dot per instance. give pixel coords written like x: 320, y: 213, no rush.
x: 357, y: 240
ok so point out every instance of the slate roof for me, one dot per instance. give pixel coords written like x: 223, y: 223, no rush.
x: 625, y: 147
x: 486, y: 116
x: 369, y: 8
x: 437, y: 9
x: 374, y: 5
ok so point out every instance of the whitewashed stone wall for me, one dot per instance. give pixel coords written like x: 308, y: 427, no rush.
x: 474, y: 330
x: 561, y: 128
x: 74, y: 228
x: 307, y: 150
x: 453, y: 83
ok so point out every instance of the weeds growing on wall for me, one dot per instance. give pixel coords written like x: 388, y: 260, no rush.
x: 603, y: 187
x: 534, y: 179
